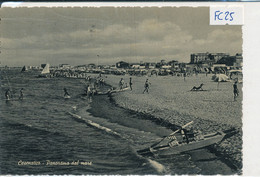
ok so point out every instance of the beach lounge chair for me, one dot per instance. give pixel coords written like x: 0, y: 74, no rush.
x: 197, y: 88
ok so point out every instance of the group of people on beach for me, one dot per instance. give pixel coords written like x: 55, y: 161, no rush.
x: 98, y: 82
x: 90, y: 92
x: 92, y: 86
x: 235, y: 89
x: 147, y: 86
x: 122, y: 84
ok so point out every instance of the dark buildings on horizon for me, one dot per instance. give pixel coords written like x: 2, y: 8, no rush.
x: 122, y: 64
x: 236, y: 61
x: 216, y: 58
x: 196, y: 60
x: 206, y: 58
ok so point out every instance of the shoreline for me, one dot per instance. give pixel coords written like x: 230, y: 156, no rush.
x: 215, y: 149
x: 104, y: 103
x: 230, y: 150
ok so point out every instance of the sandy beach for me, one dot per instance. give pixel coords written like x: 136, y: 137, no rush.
x: 170, y: 99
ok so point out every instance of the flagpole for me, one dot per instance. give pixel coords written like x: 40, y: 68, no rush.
x: 98, y: 60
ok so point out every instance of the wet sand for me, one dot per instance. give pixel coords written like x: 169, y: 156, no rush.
x: 170, y: 99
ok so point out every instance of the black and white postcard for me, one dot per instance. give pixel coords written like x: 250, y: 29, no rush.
x: 121, y: 90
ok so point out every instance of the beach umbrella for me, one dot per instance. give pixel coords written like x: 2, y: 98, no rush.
x: 213, y: 77
x: 220, y: 78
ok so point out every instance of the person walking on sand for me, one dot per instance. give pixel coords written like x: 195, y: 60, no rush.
x: 130, y: 83
x: 146, y: 86
x: 235, y: 91
x: 184, y: 75
x: 21, y: 94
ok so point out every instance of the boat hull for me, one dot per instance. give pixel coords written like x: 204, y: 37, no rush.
x: 167, y: 150
x: 119, y: 90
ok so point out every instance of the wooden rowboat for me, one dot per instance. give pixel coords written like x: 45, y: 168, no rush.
x: 186, y: 142
x: 168, y: 149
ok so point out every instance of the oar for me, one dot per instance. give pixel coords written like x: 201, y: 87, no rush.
x: 181, y: 128
x: 172, y: 133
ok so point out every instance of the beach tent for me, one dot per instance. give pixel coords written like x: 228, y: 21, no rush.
x: 220, y: 78
x: 235, y: 71
x: 236, y: 74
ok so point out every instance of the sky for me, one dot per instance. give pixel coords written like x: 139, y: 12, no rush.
x: 106, y: 35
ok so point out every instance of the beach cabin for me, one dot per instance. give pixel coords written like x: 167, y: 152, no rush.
x: 219, y: 68
x: 122, y: 64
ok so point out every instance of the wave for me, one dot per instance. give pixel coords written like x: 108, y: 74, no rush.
x: 29, y: 127
x: 94, y: 124
x: 159, y: 168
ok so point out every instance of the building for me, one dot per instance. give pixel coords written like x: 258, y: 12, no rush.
x: 174, y: 63
x: 64, y: 66
x: 149, y: 65
x: 163, y: 62
x: 236, y: 61
x: 138, y: 66
x: 91, y: 66
x: 82, y: 67
x: 122, y: 64
x: 239, y: 60
x: 206, y: 58
x: 166, y: 66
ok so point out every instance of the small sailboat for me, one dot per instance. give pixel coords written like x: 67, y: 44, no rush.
x: 46, y: 71
x: 24, y: 69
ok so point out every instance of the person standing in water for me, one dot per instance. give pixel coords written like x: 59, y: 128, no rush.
x: 89, y: 93
x: 235, y: 91
x: 7, y: 94
x: 146, y: 86
x: 21, y: 94
x: 130, y: 83
x: 66, y: 92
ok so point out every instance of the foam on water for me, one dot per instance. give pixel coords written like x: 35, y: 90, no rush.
x: 96, y: 125
x: 156, y: 165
